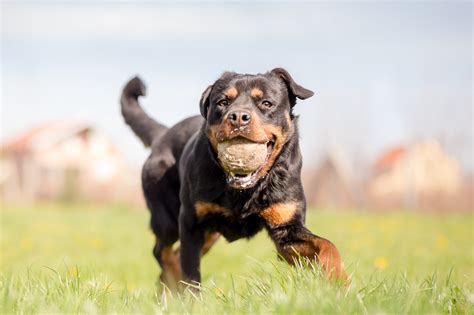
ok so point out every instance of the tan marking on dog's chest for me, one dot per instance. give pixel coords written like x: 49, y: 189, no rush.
x: 279, y: 213
x: 205, y: 208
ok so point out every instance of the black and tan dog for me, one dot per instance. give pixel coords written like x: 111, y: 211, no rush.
x: 192, y: 199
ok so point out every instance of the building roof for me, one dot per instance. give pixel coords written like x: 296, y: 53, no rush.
x: 389, y: 157
x: 43, y: 136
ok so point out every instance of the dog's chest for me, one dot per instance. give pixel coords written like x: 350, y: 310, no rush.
x: 234, y: 227
x: 235, y: 214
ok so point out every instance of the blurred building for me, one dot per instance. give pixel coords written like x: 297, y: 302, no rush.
x: 419, y: 175
x: 67, y: 160
x: 332, y: 184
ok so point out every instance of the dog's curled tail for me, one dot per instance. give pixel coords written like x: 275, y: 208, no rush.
x: 145, y: 127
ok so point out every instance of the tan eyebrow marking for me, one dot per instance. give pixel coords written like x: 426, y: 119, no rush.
x: 256, y: 92
x: 231, y: 92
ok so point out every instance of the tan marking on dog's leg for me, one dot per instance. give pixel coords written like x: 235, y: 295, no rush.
x: 316, y: 249
x: 171, y: 267
x: 210, y: 238
x: 279, y: 213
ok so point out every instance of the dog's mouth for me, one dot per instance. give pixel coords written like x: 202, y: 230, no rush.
x: 243, y: 180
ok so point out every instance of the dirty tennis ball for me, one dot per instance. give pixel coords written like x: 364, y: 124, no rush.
x: 241, y: 156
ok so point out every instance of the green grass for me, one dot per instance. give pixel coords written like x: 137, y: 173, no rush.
x: 90, y: 259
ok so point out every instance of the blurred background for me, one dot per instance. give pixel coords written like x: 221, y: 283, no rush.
x: 390, y: 126
x: 388, y: 136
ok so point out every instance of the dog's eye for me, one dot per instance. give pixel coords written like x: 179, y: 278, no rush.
x: 267, y: 103
x: 223, y: 103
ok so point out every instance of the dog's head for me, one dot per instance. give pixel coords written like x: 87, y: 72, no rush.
x: 255, y: 107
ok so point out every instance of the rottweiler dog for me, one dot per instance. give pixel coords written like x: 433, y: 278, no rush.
x: 194, y: 200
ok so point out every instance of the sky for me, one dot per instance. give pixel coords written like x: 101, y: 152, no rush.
x: 384, y: 73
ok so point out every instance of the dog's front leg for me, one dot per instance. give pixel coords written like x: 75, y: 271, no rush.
x: 295, y: 240
x: 192, y: 240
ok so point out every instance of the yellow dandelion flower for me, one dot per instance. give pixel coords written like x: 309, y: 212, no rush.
x: 96, y: 243
x: 26, y: 243
x: 74, y: 272
x: 380, y: 262
x: 442, y: 242
x: 219, y: 292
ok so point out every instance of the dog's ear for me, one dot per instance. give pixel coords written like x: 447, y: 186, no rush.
x: 293, y: 87
x: 204, y: 102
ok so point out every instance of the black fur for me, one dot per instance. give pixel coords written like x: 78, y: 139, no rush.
x: 183, y: 169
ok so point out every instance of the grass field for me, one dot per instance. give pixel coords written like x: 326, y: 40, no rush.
x: 90, y: 259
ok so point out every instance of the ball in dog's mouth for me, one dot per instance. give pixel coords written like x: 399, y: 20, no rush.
x: 242, y: 160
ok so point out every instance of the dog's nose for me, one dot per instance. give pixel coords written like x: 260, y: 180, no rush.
x: 239, y: 118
